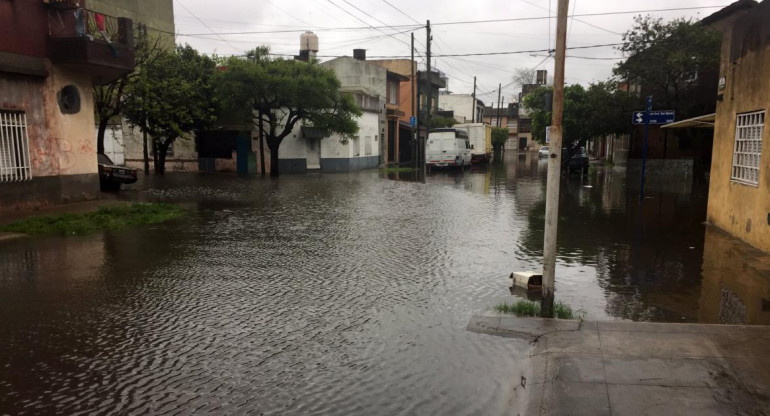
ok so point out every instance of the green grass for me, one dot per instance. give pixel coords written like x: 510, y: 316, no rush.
x: 105, y: 218
x: 529, y: 308
x: 397, y: 169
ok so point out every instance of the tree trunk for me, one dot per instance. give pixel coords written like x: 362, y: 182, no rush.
x: 273, y: 160
x: 155, y: 155
x: 163, y: 148
x: 144, y: 152
x: 100, y: 136
x: 261, y: 145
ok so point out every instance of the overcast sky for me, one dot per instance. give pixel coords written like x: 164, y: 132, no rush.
x: 339, y: 23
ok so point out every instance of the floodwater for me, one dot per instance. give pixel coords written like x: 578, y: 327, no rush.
x: 343, y: 293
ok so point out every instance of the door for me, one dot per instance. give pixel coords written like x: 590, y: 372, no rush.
x: 313, y: 153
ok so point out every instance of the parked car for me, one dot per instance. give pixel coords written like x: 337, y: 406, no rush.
x: 543, y: 152
x: 578, y: 162
x: 111, y: 176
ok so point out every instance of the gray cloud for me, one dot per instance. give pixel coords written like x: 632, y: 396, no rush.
x: 226, y: 16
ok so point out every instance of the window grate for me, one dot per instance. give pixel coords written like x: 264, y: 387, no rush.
x: 747, y: 155
x: 14, y: 147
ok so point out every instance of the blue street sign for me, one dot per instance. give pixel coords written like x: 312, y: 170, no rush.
x: 656, y: 117
x: 413, y: 121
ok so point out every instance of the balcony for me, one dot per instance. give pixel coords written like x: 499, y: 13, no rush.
x: 93, y: 43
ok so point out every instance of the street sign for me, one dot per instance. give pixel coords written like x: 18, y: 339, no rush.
x: 413, y: 121
x: 548, y: 135
x: 656, y: 117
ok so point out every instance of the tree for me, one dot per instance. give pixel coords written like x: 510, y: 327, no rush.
x: 279, y: 93
x: 668, y: 59
x: 499, y: 137
x: 172, y: 96
x: 524, y: 76
x: 437, y: 122
x: 600, y: 110
x: 108, y: 98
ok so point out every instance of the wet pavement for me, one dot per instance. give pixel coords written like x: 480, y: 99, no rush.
x: 344, y: 293
x: 638, y: 368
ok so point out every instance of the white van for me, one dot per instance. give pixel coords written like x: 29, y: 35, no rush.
x: 448, y: 147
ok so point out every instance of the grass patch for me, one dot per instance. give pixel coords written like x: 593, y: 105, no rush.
x: 529, y: 308
x: 105, y: 218
x: 396, y: 169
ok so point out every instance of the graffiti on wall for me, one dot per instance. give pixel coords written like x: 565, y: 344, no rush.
x: 52, y: 157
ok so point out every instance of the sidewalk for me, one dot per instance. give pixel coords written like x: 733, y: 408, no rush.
x: 634, y: 368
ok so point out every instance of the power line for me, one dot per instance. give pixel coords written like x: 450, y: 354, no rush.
x: 364, y: 22
x: 399, y: 10
x: 515, y: 19
x: 204, y: 24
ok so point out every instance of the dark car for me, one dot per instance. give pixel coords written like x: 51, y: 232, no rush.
x: 578, y: 162
x: 111, y: 176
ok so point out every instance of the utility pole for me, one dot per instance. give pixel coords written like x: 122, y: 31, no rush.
x: 554, y: 164
x: 473, y: 107
x: 499, y: 87
x: 415, y: 132
x: 644, y: 149
x: 429, y: 96
x: 502, y: 106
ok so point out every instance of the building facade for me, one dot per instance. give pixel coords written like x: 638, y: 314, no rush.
x: 465, y: 107
x: 52, y: 53
x: 739, y: 185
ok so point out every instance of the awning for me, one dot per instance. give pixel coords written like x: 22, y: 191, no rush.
x: 701, y: 122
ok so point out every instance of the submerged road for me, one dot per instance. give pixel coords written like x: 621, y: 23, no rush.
x: 338, y: 294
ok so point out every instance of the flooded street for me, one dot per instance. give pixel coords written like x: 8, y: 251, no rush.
x: 343, y: 293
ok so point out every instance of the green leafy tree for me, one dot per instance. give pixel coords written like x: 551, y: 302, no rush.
x: 667, y: 60
x: 499, y: 137
x: 600, y: 110
x: 437, y: 122
x: 172, y: 96
x: 279, y: 93
x: 108, y: 98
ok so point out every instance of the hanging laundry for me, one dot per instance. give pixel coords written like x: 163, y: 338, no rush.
x: 99, y: 19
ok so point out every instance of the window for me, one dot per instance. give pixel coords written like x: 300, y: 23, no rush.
x: 14, y: 147
x: 393, y: 93
x: 747, y: 154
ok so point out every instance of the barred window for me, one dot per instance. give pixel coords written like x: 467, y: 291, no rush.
x: 747, y: 154
x: 14, y: 147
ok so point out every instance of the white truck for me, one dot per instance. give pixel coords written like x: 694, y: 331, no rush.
x: 447, y: 147
x: 480, y: 135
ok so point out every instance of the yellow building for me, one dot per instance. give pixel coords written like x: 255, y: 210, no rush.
x: 739, y: 190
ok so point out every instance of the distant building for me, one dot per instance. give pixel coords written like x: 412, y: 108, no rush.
x: 52, y: 53
x: 508, y: 117
x: 375, y: 90
x: 466, y: 109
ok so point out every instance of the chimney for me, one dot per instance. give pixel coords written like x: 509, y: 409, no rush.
x: 359, y: 54
x: 542, y: 77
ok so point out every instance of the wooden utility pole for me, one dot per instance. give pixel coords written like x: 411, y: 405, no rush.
x: 499, y: 87
x: 502, y: 107
x: 554, y: 164
x: 429, y: 98
x: 416, y: 127
x: 473, y: 106
x: 429, y: 84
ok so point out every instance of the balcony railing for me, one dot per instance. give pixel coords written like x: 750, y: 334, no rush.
x: 64, y: 4
x: 80, y: 22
